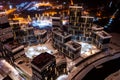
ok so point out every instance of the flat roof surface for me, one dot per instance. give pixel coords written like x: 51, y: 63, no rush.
x: 60, y: 32
x: 73, y: 45
x: 41, y: 32
x: 42, y: 59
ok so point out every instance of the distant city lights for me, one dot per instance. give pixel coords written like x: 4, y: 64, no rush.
x: 41, y: 23
x: 34, y: 6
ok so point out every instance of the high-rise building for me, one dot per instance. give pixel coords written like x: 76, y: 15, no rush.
x: 62, y: 41
x: 75, y: 15
x: 74, y: 20
x: 60, y: 38
x: 80, y: 26
x: 86, y: 28
x: 43, y: 67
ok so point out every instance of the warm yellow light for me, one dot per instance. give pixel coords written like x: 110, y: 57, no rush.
x: 17, y: 18
x: 98, y: 14
x: 43, y: 4
x: 71, y: 2
x: 10, y: 11
x: 85, y: 12
x: 113, y: 17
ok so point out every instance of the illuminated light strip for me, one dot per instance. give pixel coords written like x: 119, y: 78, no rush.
x: 75, y: 7
x: 87, y: 17
x: 43, y: 4
x: 10, y: 11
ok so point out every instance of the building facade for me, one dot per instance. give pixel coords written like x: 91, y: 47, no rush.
x: 80, y: 26
x: 41, y: 36
x: 5, y: 29
x: 56, y: 21
x: 62, y: 41
x: 100, y: 38
x: 27, y: 36
x: 9, y: 46
x: 43, y: 67
x: 16, y: 28
x: 73, y: 49
x: 60, y: 38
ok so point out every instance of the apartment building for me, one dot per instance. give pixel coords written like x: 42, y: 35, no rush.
x: 41, y: 35
x: 43, y: 67
x: 62, y: 41
x: 100, y: 38
x: 80, y: 26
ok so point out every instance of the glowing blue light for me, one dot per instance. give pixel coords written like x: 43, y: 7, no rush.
x: 110, y: 22
x: 32, y: 8
x: 62, y: 77
x: 95, y: 19
x: 111, y: 19
x: 85, y: 47
x: 22, y: 5
x: 41, y: 23
x: 110, y: 4
x: 64, y: 2
x: 10, y: 6
x: 105, y: 26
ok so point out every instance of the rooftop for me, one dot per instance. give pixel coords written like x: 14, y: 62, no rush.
x: 41, y: 60
x: 60, y: 32
x: 97, y: 27
x: 11, y: 45
x: 73, y: 45
x: 39, y: 32
x: 103, y: 34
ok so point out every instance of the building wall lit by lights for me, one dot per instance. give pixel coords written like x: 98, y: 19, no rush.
x: 5, y: 33
x: 28, y: 36
x: 62, y: 41
x: 41, y: 35
x: 73, y: 49
x: 56, y: 21
x: 16, y: 29
x: 80, y: 26
x: 43, y: 67
x: 100, y: 38
x: 9, y: 46
x: 5, y: 29
x: 75, y: 15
